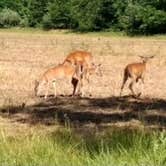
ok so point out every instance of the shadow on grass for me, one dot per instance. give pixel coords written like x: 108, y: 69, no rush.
x: 78, y: 110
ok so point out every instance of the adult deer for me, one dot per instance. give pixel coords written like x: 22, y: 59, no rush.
x: 80, y: 56
x: 85, y: 60
x: 135, y: 71
x: 65, y: 70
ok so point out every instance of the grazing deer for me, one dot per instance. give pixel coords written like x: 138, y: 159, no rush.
x: 135, y: 71
x: 65, y: 70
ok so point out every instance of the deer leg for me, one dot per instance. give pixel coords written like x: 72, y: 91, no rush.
x: 54, y: 86
x: 82, y: 78
x: 78, y: 83
x: 38, y: 89
x: 142, y: 79
x: 81, y: 87
x: 74, y: 82
x: 90, y: 90
x: 87, y: 78
x: 142, y: 86
x: 47, y: 88
x: 89, y: 86
x: 131, y: 87
x: 123, y: 84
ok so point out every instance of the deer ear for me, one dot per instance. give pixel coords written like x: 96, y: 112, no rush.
x: 151, y: 56
x: 92, y: 64
x: 141, y: 56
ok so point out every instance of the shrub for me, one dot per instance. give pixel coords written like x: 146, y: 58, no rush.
x: 24, y: 22
x: 85, y: 14
x: 47, y: 22
x: 143, y: 20
x: 58, y: 15
x: 9, y: 18
x: 36, y: 11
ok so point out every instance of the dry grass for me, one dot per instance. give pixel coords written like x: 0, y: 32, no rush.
x: 24, y: 57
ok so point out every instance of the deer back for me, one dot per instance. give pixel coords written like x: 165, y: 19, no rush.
x: 135, y: 69
x: 79, y: 56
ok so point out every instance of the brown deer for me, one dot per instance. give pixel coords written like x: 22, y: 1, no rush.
x: 80, y: 56
x: 135, y: 71
x: 85, y: 60
x: 86, y: 72
x: 65, y: 70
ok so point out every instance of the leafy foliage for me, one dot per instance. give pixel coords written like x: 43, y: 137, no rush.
x: 143, y: 20
x: 58, y: 15
x: 9, y: 18
x: 85, y: 14
x: 131, y: 16
x: 36, y: 11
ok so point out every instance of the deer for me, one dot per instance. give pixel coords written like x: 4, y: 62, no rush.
x: 85, y: 60
x: 80, y: 56
x: 86, y: 72
x: 65, y: 70
x: 88, y: 67
x: 135, y: 71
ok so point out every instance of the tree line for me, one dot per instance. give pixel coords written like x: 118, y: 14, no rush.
x: 130, y: 16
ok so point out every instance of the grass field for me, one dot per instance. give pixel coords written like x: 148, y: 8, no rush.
x: 103, y: 129
x: 65, y: 147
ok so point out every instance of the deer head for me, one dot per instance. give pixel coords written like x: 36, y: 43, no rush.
x: 145, y: 59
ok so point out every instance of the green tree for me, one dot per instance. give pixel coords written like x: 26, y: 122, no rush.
x: 10, y: 4
x: 36, y: 11
x: 9, y: 18
x: 139, y: 19
x: 58, y: 15
x: 85, y: 13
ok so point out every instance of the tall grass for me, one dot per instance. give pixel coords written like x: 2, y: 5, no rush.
x: 66, y: 148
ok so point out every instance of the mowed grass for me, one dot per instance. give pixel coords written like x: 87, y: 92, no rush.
x: 64, y: 147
